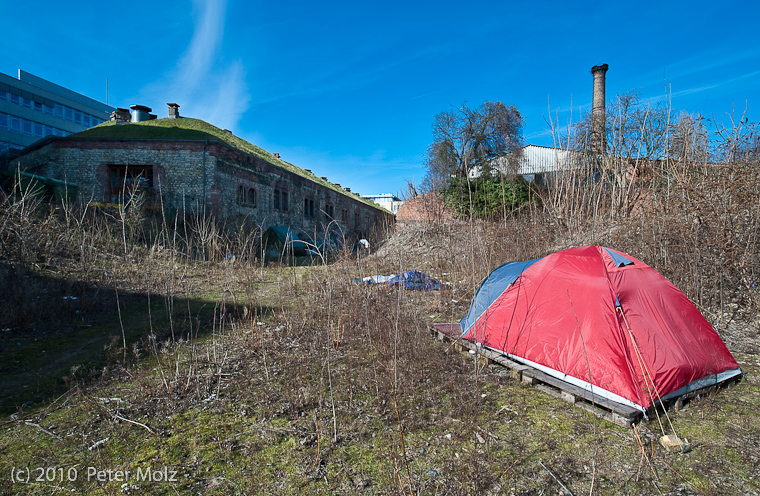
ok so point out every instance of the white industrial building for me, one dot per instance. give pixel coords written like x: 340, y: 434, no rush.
x: 387, y: 201
x: 32, y: 108
x: 539, y: 164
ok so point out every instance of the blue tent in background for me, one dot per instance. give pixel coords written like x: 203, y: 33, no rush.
x: 328, y: 245
x: 280, y: 240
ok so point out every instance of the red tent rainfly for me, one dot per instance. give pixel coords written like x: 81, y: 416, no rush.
x: 601, y: 320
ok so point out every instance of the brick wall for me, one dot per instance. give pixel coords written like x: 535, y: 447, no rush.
x: 236, y: 170
x: 426, y: 208
x: 238, y: 186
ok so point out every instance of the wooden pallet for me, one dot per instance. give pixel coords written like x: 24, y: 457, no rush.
x: 613, y: 411
x: 679, y: 401
x: 617, y: 413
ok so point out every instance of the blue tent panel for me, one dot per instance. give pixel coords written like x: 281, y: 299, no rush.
x: 619, y: 259
x: 286, y: 235
x: 491, y: 288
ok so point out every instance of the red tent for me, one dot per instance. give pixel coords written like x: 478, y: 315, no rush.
x: 601, y: 320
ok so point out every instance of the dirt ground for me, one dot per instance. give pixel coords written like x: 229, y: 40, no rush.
x: 301, y: 381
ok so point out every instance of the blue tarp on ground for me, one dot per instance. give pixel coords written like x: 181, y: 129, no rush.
x: 413, y: 279
x: 377, y: 279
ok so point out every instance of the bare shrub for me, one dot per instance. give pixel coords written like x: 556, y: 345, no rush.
x: 666, y: 193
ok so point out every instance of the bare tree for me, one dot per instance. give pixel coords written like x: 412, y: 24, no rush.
x: 637, y: 137
x: 465, y: 139
x: 634, y: 130
x: 738, y: 141
x: 689, y: 140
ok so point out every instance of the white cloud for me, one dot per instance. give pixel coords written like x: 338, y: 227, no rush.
x: 230, y: 99
x: 206, y: 41
x: 203, y: 83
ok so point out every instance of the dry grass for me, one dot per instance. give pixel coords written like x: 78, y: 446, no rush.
x: 251, y: 379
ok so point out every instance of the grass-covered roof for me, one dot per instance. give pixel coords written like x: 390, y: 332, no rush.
x: 186, y: 128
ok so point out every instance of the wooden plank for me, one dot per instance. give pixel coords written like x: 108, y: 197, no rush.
x: 569, y: 397
x: 617, y: 413
x: 452, y: 330
x: 579, y: 392
x: 623, y: 420
x: 517, y: 372
x: 611, y: 416
x: 679, y: 401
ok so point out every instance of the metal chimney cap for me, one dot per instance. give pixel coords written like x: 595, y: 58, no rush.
x: 140, y: 113
x: 141, y: 107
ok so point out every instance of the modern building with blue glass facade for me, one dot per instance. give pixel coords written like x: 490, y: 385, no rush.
x: 32, y: 108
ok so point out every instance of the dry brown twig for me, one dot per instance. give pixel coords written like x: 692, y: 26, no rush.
x: 316, y: 424
x: 42, y: 429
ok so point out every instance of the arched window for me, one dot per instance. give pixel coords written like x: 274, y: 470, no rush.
x: 251, y: 200
x: 126, y: 181
x: 240, y: 195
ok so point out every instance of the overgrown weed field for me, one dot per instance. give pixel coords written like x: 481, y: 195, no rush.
x: 133, y: 362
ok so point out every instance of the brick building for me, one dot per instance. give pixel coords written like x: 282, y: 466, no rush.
x: 423, y: 209
x: 190, y: 164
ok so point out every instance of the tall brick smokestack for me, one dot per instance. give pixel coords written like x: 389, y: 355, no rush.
x: 598, y: 135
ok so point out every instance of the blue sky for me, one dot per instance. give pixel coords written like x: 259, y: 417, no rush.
x: 350, y: 89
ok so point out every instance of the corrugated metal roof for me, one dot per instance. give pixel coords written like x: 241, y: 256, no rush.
x: 539, y: 159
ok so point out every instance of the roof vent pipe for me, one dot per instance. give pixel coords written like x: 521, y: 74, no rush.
x: 140, y: 113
